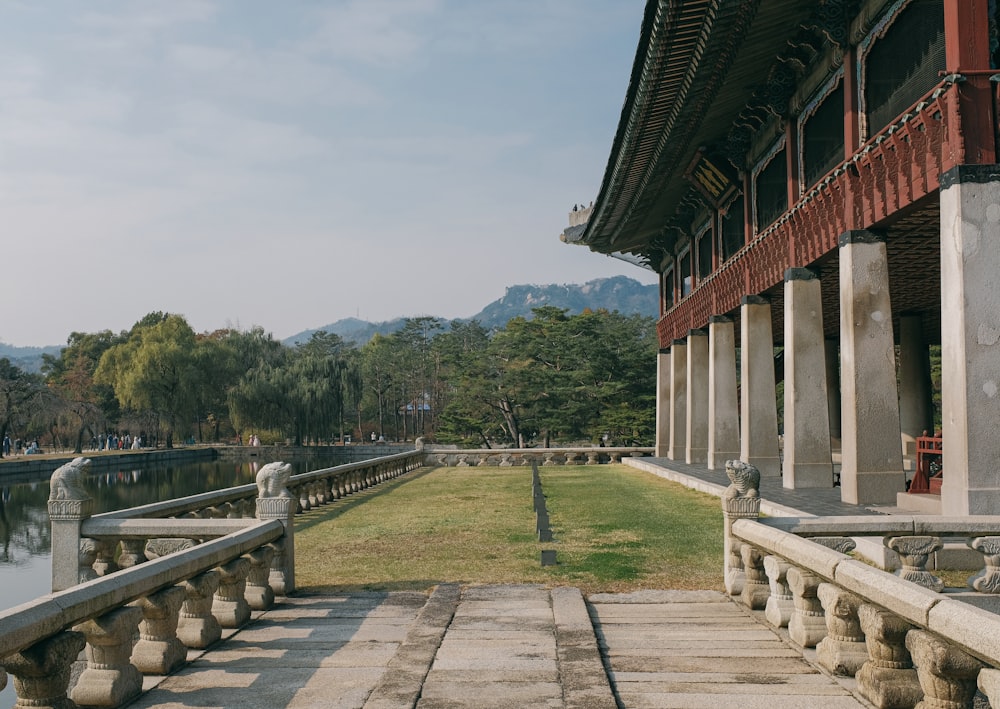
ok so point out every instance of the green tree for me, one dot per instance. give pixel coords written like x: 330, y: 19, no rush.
x: 20, y: 392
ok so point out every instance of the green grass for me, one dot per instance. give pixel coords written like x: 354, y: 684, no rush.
x: 615, y: 529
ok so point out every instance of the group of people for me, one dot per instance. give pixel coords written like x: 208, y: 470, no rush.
x: 29, y: 449
x: 112, y: 441
x: 254, y: 440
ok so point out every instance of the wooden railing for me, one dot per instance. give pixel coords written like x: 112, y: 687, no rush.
x: 138, y: 587
x: 900, y: 637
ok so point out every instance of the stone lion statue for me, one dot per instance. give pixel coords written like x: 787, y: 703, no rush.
x: 744, y: 479
x: 66, y: 483
x: 272, y: 480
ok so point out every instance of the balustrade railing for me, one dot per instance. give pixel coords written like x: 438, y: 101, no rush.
x: 136, y: 588
x: 905, y: 639
x: 512, y: 457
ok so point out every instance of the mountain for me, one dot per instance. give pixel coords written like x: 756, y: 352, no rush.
x: 28, y: 359
x: 620, y: 293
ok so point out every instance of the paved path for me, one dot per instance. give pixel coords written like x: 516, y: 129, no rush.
x: 501, y: 646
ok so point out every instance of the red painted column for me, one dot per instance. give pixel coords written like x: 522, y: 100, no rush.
x: 967, y: 52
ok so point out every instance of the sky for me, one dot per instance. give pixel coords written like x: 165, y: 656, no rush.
x: 287, y: 164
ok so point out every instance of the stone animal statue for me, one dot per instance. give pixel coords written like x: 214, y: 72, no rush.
x: 744, y: 479
x: 66, y: 483
x: 272, y: 480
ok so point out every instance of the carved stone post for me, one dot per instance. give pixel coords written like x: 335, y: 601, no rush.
x: 89, y: 549
x: 230, y: 605
x: 780, y: 607
x: 259, y: 595
x: 105, y: 563
x: 133, y: 553
x: 806, y: 626
x: 756, y: 589
x: 740, y: 501
x: 505, y: 460
x: 197, y: 627
x: 159, y: 651
x: 42, y: 672
x: 110, y: 679
x: 913, y: 553
x: 887, y: 679
x: 69, y: 505
x: 843, y: 650
x: 947, y: 675
x: 274, y: 502
x: 987, y: 580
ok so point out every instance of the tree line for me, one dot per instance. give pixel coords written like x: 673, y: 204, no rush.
x: 551, y: 378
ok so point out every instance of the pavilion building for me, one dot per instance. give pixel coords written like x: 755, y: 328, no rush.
x: 816, y: 184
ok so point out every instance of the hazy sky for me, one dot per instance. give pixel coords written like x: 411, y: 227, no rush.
x: 287, y: 163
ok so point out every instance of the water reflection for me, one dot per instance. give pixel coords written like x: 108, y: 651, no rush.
x: 25, y: 535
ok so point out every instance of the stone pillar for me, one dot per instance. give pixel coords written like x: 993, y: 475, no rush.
x: 259, y: 594
x: 807, y: 625
x: 696, y: 442
x: 887, y: 679
x: 916, y: 413
x: 275, y: 502
x: 663, y: 404
x: 947, y: 675
x: 678, y: 400
x: 842, y: 651
x: 42, y: 672
x: 833, y: 388
x: 780, y: 607
x: 197, y: 627
x: 229, y: 605
x: 723, y: 399
x: 970, y: 339
x: 808, y: 459
x: 871, y: 460
x: 110, y: 679
x: 756, y: 589
x: 758, y: 404
x: 69, y: 505
x: 159, y: 651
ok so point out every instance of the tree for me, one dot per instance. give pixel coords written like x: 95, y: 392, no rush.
x: 19, y: 392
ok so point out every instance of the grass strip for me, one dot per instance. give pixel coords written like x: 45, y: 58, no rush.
x: 616, y: 529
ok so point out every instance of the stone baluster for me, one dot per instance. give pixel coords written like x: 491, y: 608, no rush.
x: 807, y: 626
x: 987, y: 580
x: 69, y: 505
x: 780, y: 606
x: 302, y: 493
x: 549, y: 458
x: 887, y: 678
x: 756, y: 588
x: 322, y: 491
x: 741, y: 500
x: 197, y: 627
x: 463, y: 461
x: 159, y: 651
x: 230, y: 605
x: 913, y: 553
x: 88, y: 555
x: 505, y: 461
x: 259, y: 594
x: 110, y: 679
x: 311, y: 494
x: 133, y: 553
x: 105, y: 563
x: 843, y: 650
x: 989, y: 684
x: 484, y: 460
x: 42, y: 672
x: 593, y: 457
x: 573, y: 458
x: 616, y: 456
x: 947, y: 674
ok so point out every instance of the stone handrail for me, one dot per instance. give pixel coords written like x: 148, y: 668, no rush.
x: 509, y: 457
x: 897, y: 634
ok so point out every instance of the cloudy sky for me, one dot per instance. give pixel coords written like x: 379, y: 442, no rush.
x: 290, y: 163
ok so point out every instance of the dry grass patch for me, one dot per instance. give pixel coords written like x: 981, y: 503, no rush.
x: 616, y: 529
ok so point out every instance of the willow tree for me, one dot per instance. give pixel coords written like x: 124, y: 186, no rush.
x: 156, y: 369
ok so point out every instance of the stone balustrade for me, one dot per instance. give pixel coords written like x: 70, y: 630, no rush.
x: 514, y: 457
x: 136, y: 588
x: 904, y: 641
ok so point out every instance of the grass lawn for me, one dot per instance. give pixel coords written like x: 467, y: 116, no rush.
x: 615, y: 529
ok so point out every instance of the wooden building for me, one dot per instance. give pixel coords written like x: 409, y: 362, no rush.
x: 817, y: 179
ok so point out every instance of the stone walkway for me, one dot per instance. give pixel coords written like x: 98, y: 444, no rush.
x: 501, y: 646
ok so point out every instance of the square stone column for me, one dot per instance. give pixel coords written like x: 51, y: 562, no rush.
x: 758, y: 405
x: 678, y: 400
x: 663, y: 404
x: 872, y: 462
x: 916, y: 413
x: 970, y: 339
x: 808, y: 460
x: 723, y: 406
x: 697, y: 401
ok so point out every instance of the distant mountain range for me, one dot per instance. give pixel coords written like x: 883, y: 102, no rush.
x: 619, y: 293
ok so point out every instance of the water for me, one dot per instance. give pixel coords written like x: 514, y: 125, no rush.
x: 25, y: 554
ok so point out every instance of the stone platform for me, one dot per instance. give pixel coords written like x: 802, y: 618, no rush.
x: 501, y: 646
